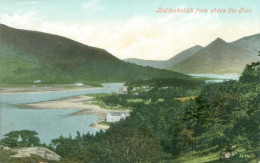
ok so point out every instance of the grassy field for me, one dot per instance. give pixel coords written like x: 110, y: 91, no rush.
x: 139, y: 100
x: 104, y: 123
x: 182, y: 99
x: 100, y: 103
x: 197, y: 159
x: 211, y: 155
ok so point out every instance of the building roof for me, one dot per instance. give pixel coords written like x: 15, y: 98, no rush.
x: 118, y: 113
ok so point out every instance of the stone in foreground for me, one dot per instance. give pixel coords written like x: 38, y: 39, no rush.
x: 39, y: 151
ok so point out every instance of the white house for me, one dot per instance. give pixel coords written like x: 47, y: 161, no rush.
x: 116, y: 116
x: 37, y: 81
x: 123, y: 90
x: 79, y: 84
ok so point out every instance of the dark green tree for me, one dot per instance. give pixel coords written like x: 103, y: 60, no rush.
x: 251, y: 74
x: 133, y: 144
x: 23, y: 138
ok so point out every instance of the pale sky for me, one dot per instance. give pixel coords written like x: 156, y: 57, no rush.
x: 132, y: 28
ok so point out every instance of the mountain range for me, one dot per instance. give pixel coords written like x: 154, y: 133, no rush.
x: 165, y: 64
x: 26, y: 56
x: 218, y: 57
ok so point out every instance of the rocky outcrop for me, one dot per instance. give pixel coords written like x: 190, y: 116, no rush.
x: 29, y: 151
x: 4, y: 148
x: 225, y: 155
x: 228, y: 152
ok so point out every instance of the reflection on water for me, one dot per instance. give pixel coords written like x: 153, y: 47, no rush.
x: 49, y: 123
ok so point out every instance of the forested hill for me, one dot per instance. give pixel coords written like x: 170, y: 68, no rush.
x: 26, y: 56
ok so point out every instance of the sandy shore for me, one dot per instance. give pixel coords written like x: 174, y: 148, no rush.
x: 99, y: 126
x: 82, y: 102
x: 36, y: 89
x: 85, y: 103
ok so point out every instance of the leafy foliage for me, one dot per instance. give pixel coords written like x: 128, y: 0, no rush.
x: 227, y: 113
x: 23, y: 138
x: 133, y: 144
x: 152, y: 91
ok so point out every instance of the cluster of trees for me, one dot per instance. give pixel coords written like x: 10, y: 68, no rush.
x: 165, y: 82
x: 223, y: 115
x: 23, y: 138
x: 227, y: 114
x: 154, y: 90
x: 178, y: 87
x: 119, y: 144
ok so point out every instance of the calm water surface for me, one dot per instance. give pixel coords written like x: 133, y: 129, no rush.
x: 217, y: 78
x: 49, y: 123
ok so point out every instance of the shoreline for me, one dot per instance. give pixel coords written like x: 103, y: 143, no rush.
x: 82, y: 102
x: 99, y: 126
x: 41, y: 89
x: 85, y: 103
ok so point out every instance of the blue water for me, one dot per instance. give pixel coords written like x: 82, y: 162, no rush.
x: 49, y: 123
x: 217, y: 78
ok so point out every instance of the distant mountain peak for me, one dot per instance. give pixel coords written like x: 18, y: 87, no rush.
x: 221, y: 57
x: 3, y: 26
x: 218, y: 42
x: 197, y: 46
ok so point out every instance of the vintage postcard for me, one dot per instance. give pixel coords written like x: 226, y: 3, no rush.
x: 129, y: 81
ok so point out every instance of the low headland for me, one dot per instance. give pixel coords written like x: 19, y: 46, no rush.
x: 29, y: 88
x: 85, y: 104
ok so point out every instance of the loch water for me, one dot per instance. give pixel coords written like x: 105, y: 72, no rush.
x: 49, y: 123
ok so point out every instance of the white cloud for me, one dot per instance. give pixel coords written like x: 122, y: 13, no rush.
x: 28, y: 2
x: 92, y: 5
x: 139, y: 37
x: 27, y: 21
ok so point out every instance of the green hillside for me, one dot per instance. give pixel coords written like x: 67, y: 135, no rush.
x: 26, y: 56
